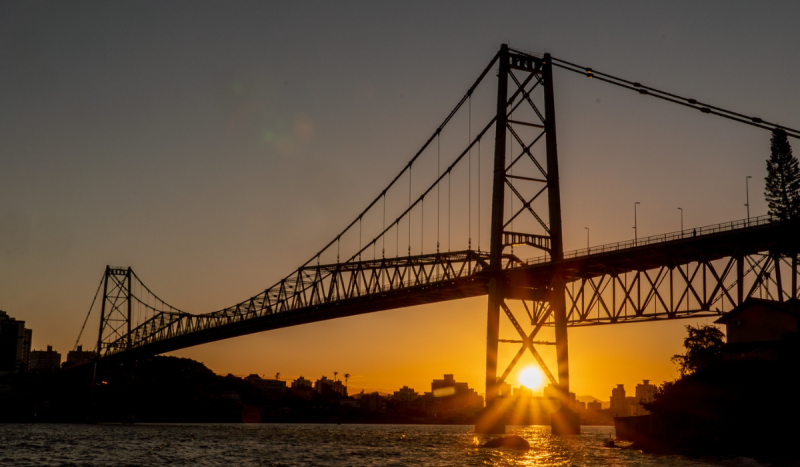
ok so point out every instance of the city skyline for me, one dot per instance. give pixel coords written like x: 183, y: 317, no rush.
x: 190, y: 174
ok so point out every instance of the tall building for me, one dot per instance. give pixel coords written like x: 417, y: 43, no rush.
x: 619, y: 406
x: 15, y: 344
x: 79, y: 356
x: 45, y: 360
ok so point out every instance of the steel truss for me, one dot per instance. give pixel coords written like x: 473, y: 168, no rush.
x: 692, y: 290
x: 683, y: 276
x: 311, y: 288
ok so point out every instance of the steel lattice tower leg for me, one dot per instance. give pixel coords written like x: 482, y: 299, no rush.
x: 565, y: 421
x: 491, y: 421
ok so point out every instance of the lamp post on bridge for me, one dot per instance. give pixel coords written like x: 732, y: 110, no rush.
x: 635, y: 229
x: 747, y: 196
x: 681, y: 210
x: 587, y: 239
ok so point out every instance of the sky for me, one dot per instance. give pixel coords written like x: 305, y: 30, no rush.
x: 214, y: 147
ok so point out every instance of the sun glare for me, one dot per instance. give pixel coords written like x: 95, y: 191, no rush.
x: 530, y: 377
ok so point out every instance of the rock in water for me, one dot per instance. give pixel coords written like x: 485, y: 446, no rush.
x: 511, y: 442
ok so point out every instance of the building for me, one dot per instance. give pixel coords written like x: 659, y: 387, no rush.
x: 15, y: 345
x: 619, y: 406
x: 504, y: 390
x: 79, y: 356
x: 301, y: 383
x: 303, y: 388
x: 405, y: 394
x: 272, y: 388
x: 26, y: 349
x: 645, y: 393
x: 452, y: 399
x: 45, y: 360
x: 595, y: 406
x: 760, y: 321
x: 372, y: 402
x: 329, y: 387
x: 632, y: 407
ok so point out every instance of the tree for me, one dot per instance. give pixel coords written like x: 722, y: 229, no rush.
x: 782, y: 189
x: 703, y: 348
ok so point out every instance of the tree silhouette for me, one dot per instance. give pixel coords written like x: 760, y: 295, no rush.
x: 277, y: 375
x: 334, y: 375
x: 346, y: 377
x: 782, y: 189
x: 703, y: 348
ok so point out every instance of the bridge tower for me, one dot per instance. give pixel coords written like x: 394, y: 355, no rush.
x: 540, y: 72
x: 115, y: 311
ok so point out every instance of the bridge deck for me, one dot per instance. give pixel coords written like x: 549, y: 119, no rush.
x: 326, y: 292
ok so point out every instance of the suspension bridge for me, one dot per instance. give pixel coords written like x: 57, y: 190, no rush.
x: 405, y: 259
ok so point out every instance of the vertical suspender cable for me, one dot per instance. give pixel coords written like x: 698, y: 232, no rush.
x: 409, y: 214
x: 479, y: 193
x: 438, y: 186
x: 383, y: 237
x: 469, y: 179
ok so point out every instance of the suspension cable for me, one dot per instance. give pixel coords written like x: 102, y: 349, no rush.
x: 75, y: 347
x: 469, y: 179
x: 409, y: 208
x: 172, y: 308
x: 438, y: 189
x: 419, y: 153
x: 430, y: 188
x: 684, y: 101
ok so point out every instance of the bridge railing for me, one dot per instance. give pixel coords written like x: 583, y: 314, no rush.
x: 661, y: 238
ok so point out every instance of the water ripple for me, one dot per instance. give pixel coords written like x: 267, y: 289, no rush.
x: 289, y: 445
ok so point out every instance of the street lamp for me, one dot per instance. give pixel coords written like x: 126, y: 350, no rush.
x: 681, y: 210
x: 587, y: 239
x: 635, y: 229
x: 747, y: 194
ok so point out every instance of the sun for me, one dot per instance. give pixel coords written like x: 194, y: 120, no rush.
x: 530, y: 377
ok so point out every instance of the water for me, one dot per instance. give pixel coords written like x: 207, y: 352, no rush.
x: 312, y: 445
